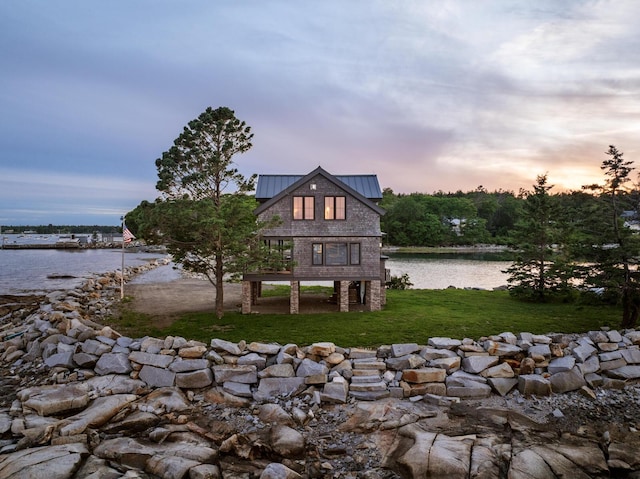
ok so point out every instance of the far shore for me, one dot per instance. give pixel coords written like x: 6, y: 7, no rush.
x: 480, y: 248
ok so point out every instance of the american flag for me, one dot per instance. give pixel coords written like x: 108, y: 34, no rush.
x: 127, y: 235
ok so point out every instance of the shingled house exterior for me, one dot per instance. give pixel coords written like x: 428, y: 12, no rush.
x: 330, y: 230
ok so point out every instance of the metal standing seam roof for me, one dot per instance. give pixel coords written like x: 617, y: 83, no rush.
x: 270, y: 185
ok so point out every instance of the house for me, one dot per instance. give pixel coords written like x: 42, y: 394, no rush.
x: 330, y: 230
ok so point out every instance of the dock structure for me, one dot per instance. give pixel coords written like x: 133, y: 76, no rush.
x: 58, y: 245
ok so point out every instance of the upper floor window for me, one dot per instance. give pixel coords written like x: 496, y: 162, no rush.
x: 303, y: 207
x: 334, y: 207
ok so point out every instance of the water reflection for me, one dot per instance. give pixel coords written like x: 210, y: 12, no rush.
x: 439, y: 271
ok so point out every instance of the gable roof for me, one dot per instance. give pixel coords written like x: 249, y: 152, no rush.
x: 270, y: 185
x: 271, y: 188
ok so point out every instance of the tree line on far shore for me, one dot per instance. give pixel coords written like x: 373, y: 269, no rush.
x: 52, y: 229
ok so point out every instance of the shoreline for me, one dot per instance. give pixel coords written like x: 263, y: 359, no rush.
x: 447, y: 249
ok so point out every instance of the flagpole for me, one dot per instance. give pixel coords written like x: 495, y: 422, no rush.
x: 122, y: 270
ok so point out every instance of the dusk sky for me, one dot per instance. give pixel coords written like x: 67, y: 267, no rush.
x: 428, y: 95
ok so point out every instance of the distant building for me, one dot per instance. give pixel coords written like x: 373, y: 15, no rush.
x: 330, y: 231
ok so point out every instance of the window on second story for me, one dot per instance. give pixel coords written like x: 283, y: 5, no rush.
x: 335, y: 207
x: 303, y: 207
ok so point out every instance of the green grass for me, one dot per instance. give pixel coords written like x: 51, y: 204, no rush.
x: 409, y: 316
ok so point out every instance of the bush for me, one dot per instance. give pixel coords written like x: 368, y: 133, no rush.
x: 399, y: 282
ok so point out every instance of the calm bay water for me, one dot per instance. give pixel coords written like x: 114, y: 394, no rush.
x: 439, y: 271
x: 30, y: 270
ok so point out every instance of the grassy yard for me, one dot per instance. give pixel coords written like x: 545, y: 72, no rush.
x: 409, y: 316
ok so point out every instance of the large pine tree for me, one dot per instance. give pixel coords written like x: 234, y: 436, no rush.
x: 205, y: 216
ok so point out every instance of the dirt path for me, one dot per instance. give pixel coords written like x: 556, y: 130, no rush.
x: 167, y: 301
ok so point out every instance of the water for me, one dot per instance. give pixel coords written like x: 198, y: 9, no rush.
x: 439, y: 271
x: 24, y: 271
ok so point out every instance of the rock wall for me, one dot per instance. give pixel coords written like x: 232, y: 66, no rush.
x: 75, y: 390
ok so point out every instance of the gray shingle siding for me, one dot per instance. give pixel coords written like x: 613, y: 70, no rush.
x: 366, y: 270
x: 360, y: 219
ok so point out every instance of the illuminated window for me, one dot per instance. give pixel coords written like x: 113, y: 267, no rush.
x: 303, y: 207
x: 334, y: 207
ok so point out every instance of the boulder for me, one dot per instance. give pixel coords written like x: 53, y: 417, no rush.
x: 56, y: 399
x: 323, y: 349
x: 477, y: 364
x: 264, y: 348
x: 533, y: 384
x: 156, y: 377
x: 624, y: 372
x: 194, y: 379
x: 496, y: 348
x: 444, y: 343
x: 97, y: 414
x: 156, y: 360
x: 565, y: 363
x: 113, y: 363
x: 502, y: 370
x: 270, y: 388
x: 310, y: 368
x: 279, y: 471
x: 398, y: 350
x: 335, y: 391
x: 60, y: 461
x: 240, y: 374
x: 424, y: 375
x: 226, y: 346
x: 287, y: 442
x: 566, y: 381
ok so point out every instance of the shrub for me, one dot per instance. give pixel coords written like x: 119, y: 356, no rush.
x: 399, y: 282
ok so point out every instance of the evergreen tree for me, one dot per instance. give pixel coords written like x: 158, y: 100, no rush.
x: 539, y: 269
x: 205, y: 216
x: 612, y: 247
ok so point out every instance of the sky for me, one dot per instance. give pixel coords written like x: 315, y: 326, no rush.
x: 428, y: 95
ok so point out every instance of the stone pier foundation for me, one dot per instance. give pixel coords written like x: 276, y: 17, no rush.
x: 294, y: 298
x: 372, y: 302
x: 247, y: 296
x: 343, y: 297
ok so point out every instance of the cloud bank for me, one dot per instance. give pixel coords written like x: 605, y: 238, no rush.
x: 440, y: 96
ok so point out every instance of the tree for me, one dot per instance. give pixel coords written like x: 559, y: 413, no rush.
x: 204, y: 215
x: 538, y: 269
x: 613, y: 247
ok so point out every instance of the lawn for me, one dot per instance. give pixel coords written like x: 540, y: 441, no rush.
x: 410, y: 316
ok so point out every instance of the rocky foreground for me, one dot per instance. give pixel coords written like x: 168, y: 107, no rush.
x: 79, y: 400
